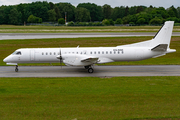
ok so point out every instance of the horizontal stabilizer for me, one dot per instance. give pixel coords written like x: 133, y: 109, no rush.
x: 160, y: 47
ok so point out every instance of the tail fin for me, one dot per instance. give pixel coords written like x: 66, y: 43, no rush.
x: 164, y: 35
x: 161, y: 40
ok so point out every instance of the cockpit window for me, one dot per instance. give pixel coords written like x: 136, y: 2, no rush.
x: 17, y: 53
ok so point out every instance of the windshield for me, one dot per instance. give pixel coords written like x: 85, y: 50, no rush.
x: 17, y: 53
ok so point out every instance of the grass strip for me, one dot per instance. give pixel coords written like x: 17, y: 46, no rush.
x: 90, y: 98
x: 85, y: 29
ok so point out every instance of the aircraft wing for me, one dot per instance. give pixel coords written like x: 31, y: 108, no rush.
x: 97, y: 60
x: 90, y: 59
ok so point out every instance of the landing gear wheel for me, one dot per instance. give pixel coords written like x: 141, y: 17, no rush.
x: 90, y: 70
x: 16, y: 69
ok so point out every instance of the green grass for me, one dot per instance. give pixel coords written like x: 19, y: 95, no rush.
x: 87, y: 29
x: 9, y: 46
x: 89, y: 98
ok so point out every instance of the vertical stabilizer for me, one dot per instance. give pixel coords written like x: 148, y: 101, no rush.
x: 164, y: 34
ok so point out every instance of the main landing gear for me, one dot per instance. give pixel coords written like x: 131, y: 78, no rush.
x: 16, y: 69
x: 89, y: 68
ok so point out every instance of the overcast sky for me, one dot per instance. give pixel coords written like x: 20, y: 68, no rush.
x: 113, y: 3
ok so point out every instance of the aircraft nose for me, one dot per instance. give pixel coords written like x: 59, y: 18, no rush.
x: 6, y: 59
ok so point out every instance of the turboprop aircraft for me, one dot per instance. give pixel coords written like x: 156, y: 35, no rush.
x: 87, y: 56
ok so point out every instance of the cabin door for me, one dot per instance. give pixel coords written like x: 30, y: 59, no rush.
x: 32, y: 55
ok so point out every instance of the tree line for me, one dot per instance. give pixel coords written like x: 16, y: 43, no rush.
x: 38, y: 12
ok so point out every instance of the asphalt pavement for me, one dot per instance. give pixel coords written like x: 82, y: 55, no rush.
x: 99, y: 71
x: 24, y: 36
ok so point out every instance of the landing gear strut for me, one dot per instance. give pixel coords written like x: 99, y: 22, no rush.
x: 16, y: 69
x: 87, y: 67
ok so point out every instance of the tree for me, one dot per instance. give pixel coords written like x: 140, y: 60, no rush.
x: 61, y: 21
x: 34, y: 19
x: 175, y: 19
x: 141, y: 21
x: 127, y: 11
x: 107, y: 11
x: 140, y: 9
x: 178, y: 11
x: 51, y: 5
x: 71, y: 23
x: 118, y: 21
x: 172, y: 12
x: 69, y: 9
x: 156, y: 21
x: 82, y: 15
x: 14, y: 17
x: 126, y: 19
x: 95, y: 11
x: 111, y: 22
x: 21, y: 9
x: 58, y: 14
x: 2, y: 15
x: 132, y: 10
x: 118, y: 12
x: 147, y: 17
x: 43, y: 13
x: 52, y: 15
x: 105, y: 22
x: 39, y: 9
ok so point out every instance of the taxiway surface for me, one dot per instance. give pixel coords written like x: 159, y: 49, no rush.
x: 23, y: 36
x: 99, y: 71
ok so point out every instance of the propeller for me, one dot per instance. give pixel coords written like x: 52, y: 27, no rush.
x: 60, y: 58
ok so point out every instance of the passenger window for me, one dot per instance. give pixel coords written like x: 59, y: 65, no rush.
x: 106, y: 52
x: 50, y: 53
x: 54, y: 53
x: 91, y: 53
x: 98, y: 52
x: 110, y: 52
x: 103, y: 52
x: 46, y: 53
x: 42, y: 53
x: 94, y: 52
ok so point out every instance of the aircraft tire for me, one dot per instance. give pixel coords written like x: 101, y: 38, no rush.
x: 90, y: 70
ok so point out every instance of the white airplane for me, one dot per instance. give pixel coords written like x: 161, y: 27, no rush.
x: 87, y: 56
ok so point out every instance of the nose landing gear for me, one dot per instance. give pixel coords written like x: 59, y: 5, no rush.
x: 16, y: 69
